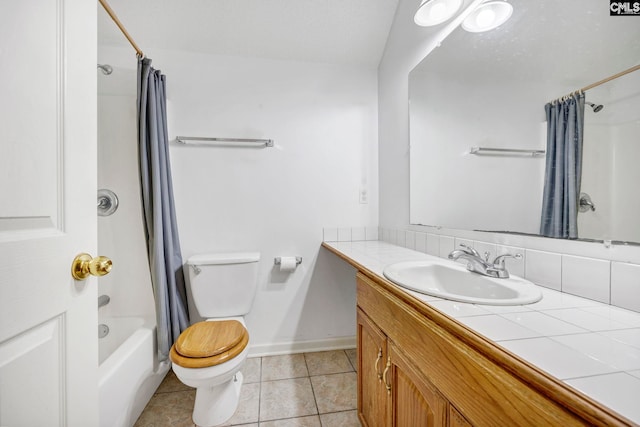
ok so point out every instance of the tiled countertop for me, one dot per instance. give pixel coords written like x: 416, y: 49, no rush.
x: 593, y: 347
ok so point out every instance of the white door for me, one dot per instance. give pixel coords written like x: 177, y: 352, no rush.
x: 48, y: 321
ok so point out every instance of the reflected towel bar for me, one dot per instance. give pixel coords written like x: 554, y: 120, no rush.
x: 506, y: 151
x: 224, y: 142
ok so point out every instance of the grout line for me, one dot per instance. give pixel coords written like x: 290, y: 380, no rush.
x: 260, y: 393
x: 313, y: 392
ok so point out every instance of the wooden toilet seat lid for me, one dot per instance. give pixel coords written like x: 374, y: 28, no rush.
x: 210, y: 338
x: 209, y: 343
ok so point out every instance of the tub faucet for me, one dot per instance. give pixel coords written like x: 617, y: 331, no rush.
x: 476, y: 264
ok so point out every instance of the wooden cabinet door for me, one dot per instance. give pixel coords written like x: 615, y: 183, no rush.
x: 415, y: 401
x: 372, y: 355
x: 456, y: 419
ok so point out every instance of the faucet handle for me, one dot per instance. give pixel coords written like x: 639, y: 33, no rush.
x: 498, y: 262
x: 469, y: 250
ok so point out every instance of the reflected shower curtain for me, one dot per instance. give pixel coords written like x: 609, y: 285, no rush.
x: 163, y: 244
x: 565, y: 129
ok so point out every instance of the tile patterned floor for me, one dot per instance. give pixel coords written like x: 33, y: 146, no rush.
x: 297, y: 390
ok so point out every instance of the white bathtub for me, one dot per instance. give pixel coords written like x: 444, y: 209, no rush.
x: 129, y: 373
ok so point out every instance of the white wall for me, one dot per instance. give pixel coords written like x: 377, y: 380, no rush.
x: 275, y: 200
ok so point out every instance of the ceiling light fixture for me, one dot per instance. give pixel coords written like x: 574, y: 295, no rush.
x: 434, y: 12
x: 488, y: 16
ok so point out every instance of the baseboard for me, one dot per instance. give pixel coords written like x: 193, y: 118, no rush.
x: 276, y: 349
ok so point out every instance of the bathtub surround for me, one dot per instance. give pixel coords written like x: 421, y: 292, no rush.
x: 161, y: 228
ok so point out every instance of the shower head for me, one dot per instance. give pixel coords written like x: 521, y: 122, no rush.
x: 596, y: 107
x: 106, y: 69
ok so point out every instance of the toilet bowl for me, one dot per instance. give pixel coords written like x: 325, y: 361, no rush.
x: 208, y: 356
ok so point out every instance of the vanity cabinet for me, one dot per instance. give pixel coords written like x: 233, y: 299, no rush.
x: 391, y: 391
x: 418, y: 367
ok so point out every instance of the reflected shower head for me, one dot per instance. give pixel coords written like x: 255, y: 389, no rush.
x: 596, y: 107
x: 106, y: 69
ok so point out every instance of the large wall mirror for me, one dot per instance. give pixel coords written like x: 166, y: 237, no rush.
x: 489, y: 90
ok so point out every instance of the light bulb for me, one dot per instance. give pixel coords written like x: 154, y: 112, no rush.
x: 485, y: 18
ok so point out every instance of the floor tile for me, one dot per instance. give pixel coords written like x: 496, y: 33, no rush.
x: 311, y: 421
x: 340, y: 419
x: 283, y: 367
x: 251, y: 370
x: 249, y: 405
x: 327, y: 362
x: 286, y: 399
x: 352, y: 355
x: 168, y: 410
x: 335, y: 392
x: 172, y: 383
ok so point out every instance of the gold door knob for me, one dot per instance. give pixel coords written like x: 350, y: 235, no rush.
x: 84, y: 265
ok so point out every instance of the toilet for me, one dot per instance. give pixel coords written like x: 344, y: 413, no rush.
x: 209, y: 354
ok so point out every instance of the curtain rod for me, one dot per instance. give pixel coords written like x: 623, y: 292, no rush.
x: 113, y: 16
x: 608, y: 79
x: 600, y: 82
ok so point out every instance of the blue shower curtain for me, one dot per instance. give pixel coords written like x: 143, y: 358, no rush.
x: 163, y: 244
x: 565, y: 129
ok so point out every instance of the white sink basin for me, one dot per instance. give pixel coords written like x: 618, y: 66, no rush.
x: 453, y: 281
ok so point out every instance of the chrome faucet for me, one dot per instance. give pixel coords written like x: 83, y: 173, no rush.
x: 476, y: 264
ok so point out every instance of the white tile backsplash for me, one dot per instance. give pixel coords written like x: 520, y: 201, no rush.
x: 358, y: 234
x: 433, y: 244
x: 344, y: 234
x: 330, y: 234
x: 544, y: 268
x: 372, y: 233
x: 586, y: 277
x: 410, y: 240
x: 625, y: 285
x: 421, y: 242
x: 447, y: 244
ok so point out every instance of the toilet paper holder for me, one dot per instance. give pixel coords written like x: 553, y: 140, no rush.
x: 278, y: 260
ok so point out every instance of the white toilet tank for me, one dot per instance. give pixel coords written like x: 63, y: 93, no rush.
x: 223, y: 284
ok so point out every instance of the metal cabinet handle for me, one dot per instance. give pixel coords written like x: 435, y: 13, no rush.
x: 384, y: 375
x: 376, y: 365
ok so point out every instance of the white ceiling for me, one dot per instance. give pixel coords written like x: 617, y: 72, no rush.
x: 332, y: 31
